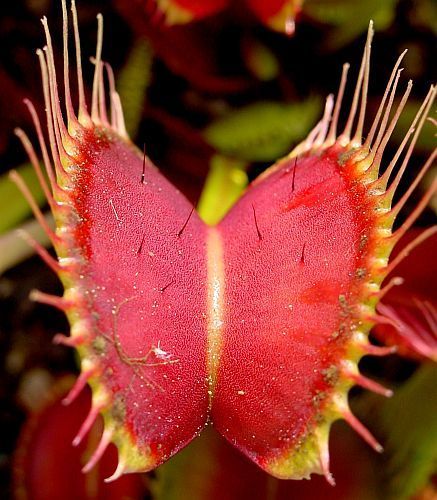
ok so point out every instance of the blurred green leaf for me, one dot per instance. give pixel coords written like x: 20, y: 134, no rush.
x: 132, y: 83
x: 260, y: 60
x: 13, y: 206
x: 226, y: 181
x: 424, y: 14
x: 409, y: 422
x: 262, y: 131
x: 14, y: 249
x: 350, y: 18
x: 190, y: 473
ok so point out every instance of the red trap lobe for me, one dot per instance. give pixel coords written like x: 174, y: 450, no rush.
x: 149, y: 342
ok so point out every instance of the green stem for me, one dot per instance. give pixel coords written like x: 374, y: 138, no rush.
x: 226, y: 181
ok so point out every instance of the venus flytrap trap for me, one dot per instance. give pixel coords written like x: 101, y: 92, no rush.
x: 279, y: 15
x: 254, y: 325
x: 411, y: 307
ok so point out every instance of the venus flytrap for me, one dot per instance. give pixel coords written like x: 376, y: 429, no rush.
x: 254, y: 325
x: 279, y: 15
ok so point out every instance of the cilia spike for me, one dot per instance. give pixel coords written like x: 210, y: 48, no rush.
x: 268, y: 312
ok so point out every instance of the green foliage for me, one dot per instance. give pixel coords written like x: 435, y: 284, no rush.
x: 409, y: 423
x: 13, y: 249
x: 132, y: 83
x: 350, y: 18
x: 263, y: 131
x: 426, y: 139
x: 13, y: 206
x: 261, y: 61
x: 424, y: 14
x: 189, y: 474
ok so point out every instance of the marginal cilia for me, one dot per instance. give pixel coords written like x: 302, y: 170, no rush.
x: 255, y: 325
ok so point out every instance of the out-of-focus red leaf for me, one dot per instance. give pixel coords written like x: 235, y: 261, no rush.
x: 48, y: 467
x: 277, y: 14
